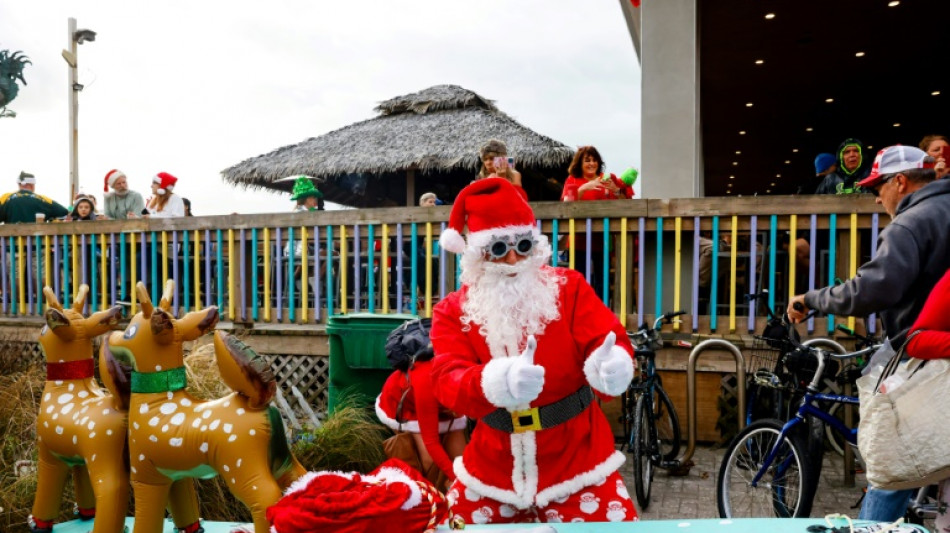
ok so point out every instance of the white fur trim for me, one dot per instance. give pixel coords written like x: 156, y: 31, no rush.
x: 495, y: 383
x: 479, y: 239
x: 412, y: 426
x: 495, y: 493
x: 578, y: 482
x: 452, y: 241
x: 391, y: 475
x: 304, y: 480
x: 592, y: 370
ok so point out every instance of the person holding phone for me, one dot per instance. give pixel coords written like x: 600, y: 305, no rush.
x: 587, y: 179
x: 938, y: 148
x: 495, y: 162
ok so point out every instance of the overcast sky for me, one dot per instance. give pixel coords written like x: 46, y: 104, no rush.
x: 191, y: 88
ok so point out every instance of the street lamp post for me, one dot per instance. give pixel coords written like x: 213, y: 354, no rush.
x: 76, y: 37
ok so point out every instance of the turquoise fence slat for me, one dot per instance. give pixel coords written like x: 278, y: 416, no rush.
x: 554, y: 232
x: 5, y: 274
x: 773, y: 245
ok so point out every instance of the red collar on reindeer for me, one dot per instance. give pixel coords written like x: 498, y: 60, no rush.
x: 490, y: 206
x: 69, y: 370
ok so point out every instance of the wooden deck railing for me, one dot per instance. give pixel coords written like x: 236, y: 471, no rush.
x: 386, y: 260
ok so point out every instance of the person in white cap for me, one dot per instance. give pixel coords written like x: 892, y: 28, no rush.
x: 25, y: 205
x: 164, y: 203
x: 525, y: 348
x: 122, y: 203
x: 913, y: 253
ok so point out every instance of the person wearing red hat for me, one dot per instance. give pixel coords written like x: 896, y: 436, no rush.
x: 913, y: 252
x: 164, y: 203
x: 525, y: 348
x: 122, y: 203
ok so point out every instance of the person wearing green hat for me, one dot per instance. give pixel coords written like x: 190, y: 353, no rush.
x: 307, y: 196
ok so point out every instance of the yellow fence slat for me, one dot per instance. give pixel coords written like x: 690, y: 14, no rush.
x: 384, y: 268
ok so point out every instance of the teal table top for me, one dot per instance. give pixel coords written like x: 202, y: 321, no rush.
x: 746, y: 525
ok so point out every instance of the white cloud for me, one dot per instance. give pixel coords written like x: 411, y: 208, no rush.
x: 193, y: 87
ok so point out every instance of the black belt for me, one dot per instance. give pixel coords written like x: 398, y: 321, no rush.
x: 544, y: 417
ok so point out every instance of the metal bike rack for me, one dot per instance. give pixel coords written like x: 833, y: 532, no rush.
x: 710, y: 344
x: 826, y: 344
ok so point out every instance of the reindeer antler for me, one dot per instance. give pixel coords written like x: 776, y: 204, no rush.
x: 144, y: 299
x: 80, y: 300
x: 166, y: 302
x: 51, y: 299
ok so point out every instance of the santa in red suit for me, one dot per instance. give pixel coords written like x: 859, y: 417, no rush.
x: 525, y: 348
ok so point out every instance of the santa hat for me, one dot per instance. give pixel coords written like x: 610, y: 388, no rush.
x: 490, y: 207
x: 166, y: 182
x: 394, y: 497
x: 111, y: 177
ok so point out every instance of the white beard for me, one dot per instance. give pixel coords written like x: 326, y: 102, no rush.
x: 507, y: 308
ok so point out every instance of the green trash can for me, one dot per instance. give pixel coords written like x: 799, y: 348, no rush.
x: 358, y: 364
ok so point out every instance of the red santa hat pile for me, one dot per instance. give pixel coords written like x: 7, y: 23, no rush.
x: 166, y: 182
x: 490, y: 207
x: 111, y: 177
x: 394, y: 497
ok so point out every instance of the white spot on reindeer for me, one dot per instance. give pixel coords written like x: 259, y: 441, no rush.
x: 59, y: 430
x: 109, y: 432
x: 67, y: 408
x: 232, y: 438
x: 178, y: 419
x: 158, y: 368
x: 168, y: 408
x: 83, y: 421
x: 204, y: 428
x: 75, y: 439
x: 82, y: 394
x: 203, y: 447
x: 227, y: 428
x: 92, y: 425
x: 58, y: 383
x: 165, y: 428
x: 240, y: 412
x: 176, y: 442
x: 50, y: 408
x: 93, y: 458
x: 254, y: 487
x: 47, y: 396
x: 45, y: 424
x: 141, y: 457
x: 135, y: 425
x: 143, y: 409
x: 196, y: 423
x: 227, y: 468
x: 92, y: 435
x: 153, y: 438
x: 154, y: 421
x: 71, y: 387
x: 239, y: 462
x: 64, y: 398
x: 214, y: 425
x: 206, y: 414
x: 253, y: 432
x: 134, y: 470
x: 185, y: 402
x: 169, y: 395
x: 227, y: 403
x: 55, y: 416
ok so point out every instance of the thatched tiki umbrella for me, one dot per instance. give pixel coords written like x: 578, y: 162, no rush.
x: 425, y: 141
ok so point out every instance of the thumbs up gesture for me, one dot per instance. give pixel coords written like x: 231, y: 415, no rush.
x: 609, y: 368
x: 526, y: 379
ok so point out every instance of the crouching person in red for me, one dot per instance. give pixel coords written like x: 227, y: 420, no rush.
x: 524, y: 348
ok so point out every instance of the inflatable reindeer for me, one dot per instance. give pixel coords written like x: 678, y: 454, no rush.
x: 79, y: 427
x: 173, y: 435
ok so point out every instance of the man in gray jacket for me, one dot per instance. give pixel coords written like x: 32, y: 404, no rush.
x: 913, y: 253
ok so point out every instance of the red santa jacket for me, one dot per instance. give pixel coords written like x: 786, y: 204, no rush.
x: 933, y: 341
x: 421, y: 412
x: 534, y: 467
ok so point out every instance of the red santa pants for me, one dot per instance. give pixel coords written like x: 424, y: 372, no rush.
x: 606, y: 502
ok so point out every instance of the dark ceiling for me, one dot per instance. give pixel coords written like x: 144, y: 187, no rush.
x: 809, y: 56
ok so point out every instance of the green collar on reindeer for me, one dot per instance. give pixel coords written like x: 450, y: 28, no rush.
x: 162, y: 381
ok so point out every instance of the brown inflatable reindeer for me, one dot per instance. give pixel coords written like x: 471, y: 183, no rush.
x: 173, y: 435
x: 79, y: 427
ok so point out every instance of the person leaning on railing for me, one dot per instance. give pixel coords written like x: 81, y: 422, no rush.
x: 122, y: 203
x: 494, y: 157
x: 934, y: 146
x: 913, y: 253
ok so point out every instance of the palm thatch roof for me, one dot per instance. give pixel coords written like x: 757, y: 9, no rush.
x: 436, y: 131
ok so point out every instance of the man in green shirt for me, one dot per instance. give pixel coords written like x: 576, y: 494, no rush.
x: 24, y: 205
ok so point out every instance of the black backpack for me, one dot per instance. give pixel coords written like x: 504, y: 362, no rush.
x: 409, y: 343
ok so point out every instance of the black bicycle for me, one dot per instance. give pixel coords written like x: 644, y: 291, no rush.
x: 651, y: 426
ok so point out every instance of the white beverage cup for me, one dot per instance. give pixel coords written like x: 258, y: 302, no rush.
x: 40, y: 218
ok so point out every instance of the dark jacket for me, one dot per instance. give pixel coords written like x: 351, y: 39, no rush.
x: 913, y: 252
x: 23, y: 205
x: 841, y: 181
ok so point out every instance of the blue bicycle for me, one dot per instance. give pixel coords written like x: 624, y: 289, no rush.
x: 771, y: 468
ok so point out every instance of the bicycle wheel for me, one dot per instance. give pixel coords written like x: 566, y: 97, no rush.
x: 667, y: 425
x: 643, y: 437
x: 628, y: 404
x: 784, y: 491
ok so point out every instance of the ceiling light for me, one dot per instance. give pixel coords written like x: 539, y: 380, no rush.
x: 935, y: 93
x: 869, y: 147
x: 738, y: 152
x: 772, y: 184
x: 728, y: 192
x: 829, y: 100
x: 897, y: 124
x: 778, y: 175
x: 748, y: 104
x: 809, y: 129
x: 769, y: 16
x: 759, y: 61
x: 859, y: 54
x: 742, y: 132
x: 894, y: 3
x: 794, y: 150
x: 787, y: 162
x: 768, y: 191
x: 732, y: 177
x: 735, y: 163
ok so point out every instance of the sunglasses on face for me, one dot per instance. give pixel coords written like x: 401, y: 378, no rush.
x: 498, y: 247
x: 876, y: 190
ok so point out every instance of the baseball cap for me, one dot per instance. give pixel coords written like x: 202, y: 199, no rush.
x: 894, y: 159
x: 823, y: 162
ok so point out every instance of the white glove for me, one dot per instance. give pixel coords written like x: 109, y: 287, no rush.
x: 526, y: 379
x: 609, y: 369
x: 510, y: 382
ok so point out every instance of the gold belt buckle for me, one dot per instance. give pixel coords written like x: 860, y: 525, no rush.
x: 527, y: 420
